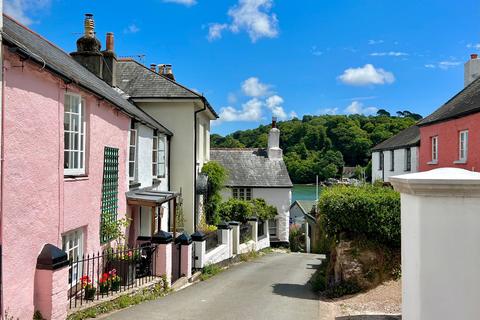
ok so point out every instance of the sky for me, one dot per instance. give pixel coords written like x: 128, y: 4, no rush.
x: 256, y: 58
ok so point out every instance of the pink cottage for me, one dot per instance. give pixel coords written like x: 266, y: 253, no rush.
x: 62, y: 126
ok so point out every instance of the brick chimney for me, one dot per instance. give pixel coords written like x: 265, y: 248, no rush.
x: 274, y: 151
x: 472, y: 69
x: 88, y: 49
x: 109, y: 71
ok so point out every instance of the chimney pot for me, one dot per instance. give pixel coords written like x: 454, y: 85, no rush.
x: 169, y: 72
x: 474, y: 56
x: 110, y: 41
x: 153, y: 67
x: 89, y: 25
x: 161, y: 68
x: 274, y: 122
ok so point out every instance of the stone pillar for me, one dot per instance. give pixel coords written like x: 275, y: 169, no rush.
x: 440, y: 218
x: 51, y: 283
x: 199, y: 249
x: 254, y: 223
x: 186, y: 255
x: 235, y: 236
x: 163, y: 255
x: 226, y: 235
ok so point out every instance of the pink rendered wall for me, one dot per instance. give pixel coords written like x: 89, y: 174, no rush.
x: 39, y: 205
x: 448, y: 142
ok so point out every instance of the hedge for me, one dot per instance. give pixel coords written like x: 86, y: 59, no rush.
x: 368, y: 211
x: 241, y: 210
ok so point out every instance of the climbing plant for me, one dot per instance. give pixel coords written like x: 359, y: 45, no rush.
x: 217, y: 176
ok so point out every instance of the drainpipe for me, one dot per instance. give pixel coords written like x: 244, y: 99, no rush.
x: 2, y: 174
x: 169, y: 143
x: 195, y: 164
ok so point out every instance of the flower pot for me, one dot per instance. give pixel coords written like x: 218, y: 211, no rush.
x: 116, y: 285
x: 90, y: 293
x: 125, y: 270
x: 104, y: 288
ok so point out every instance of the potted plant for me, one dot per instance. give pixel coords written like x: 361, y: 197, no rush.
x: 104, y: 283
x: 115, y: 280
x: 124, y: 261
x: 88, y: 288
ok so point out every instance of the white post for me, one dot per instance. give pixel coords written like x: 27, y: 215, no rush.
x: 199, y: 249
x: 440, y: 220
x: 307, y: 237
x: 254, y: 223
x: 235, y: 236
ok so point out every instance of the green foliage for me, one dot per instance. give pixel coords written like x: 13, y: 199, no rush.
x: 115, y: 230
x: 322, y: 145
x: 241, y: 210
x: 209, y: 271
x: 368, y: 211
x: 318, y: 281
x: 296, y: 239
x: 341, y: 289
x: 217, y: 176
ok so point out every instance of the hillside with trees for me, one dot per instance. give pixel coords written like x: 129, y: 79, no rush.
x: 322, y: 145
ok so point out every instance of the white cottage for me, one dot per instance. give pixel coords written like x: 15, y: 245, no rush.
x: 260, y: 173
x: 396, y: 155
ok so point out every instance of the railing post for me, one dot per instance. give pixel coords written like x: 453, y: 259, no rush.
x: 163, y: 254
x: 235, y: 236
x: 226, y: 233
x: 199, y: 247
x: 254, y: 223
x: 51, y: 283
x: 186, y: 255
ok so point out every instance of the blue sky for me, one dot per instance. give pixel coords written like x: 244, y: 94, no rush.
x: 255, y: 58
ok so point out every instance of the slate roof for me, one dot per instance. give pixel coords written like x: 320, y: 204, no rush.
x: 465, y: 102
x: 27, y: 43
x: 252, y: 168
x: 139, y: 82
x: 409, y: 137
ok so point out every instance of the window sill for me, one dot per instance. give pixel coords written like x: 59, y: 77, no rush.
x: 460, y: 162
x: 79, y: 177
x: 432, y: 162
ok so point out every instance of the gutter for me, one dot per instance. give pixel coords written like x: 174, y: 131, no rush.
x: 195, y: 202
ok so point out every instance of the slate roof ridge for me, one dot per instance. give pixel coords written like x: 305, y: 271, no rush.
x: 412, y: 134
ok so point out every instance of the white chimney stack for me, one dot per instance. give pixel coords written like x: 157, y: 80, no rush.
x: 274, y: 151
x: 472, y: 69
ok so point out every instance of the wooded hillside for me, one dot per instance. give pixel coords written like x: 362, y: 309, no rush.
x: 322, y: 145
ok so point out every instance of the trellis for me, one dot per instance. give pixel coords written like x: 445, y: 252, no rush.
x: 109, y: 190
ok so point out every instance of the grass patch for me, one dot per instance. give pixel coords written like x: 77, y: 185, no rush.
x: 250, y: 255
x: 209, y: 271
x: 158, y: 290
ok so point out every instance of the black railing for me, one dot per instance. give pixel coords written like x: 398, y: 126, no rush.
x: 261, y: 229
x: 245, y: 232
x: 212, y: 241
x: 96, y: 276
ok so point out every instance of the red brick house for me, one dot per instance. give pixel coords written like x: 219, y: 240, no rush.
x: 451, y: 134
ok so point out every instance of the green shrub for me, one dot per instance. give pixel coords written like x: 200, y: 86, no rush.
x: 241, y: 210
x: 209, y: 271
x: 341, y: 289
x: 217, y: 176
x: 366, y: 211
x: 296, y: 238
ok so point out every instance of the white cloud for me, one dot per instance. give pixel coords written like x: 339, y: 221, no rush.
x: 373, y: 42
x: 430, y: 66
x: 252, y: 16
x: 250, y: 111
x: 293, y: 114
x: 448, y: 64
x: 366, y: 75
x: 389, y: 54
x: 475, y: 46
x: 232, y: 98
x: 215, y: 31
x: 357, y: 107
x: 275, y: 104
x: 132, y: 28
x: 252, y: 87
x: 187, y: 3
x: 329, y: 111
x: 316, y: 52
x: 20, y: 9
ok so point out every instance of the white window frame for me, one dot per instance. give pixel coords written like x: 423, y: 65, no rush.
x: 74, y: 154
x: 392, y: 160
x: 242, y: 193
x: 463, y: 146
x: 408, y: 159
x: 159, y: 167
x: 134, y: 160
x: 72, y: 241
x: 434, y: 141
x: 381, y: 160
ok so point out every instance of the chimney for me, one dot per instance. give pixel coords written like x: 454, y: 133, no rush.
x: 274, y: 151
x: 153, y: 67
x: 168, y: 72
x: 88, y: 48
x: 109, y: 71
x: 161, y: 68
x: 472, y: 69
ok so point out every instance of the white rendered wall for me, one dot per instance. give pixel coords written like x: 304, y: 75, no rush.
x: 399, y: 164
x: 440, y: 235
x: 144, y: 155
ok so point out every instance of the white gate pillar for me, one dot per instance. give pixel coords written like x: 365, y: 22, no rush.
x: 440, y: 217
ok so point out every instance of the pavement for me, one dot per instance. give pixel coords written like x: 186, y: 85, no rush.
x: 271, y: 287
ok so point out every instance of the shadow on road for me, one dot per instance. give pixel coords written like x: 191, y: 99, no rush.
x: 299, y: 291
x: 370, y: 317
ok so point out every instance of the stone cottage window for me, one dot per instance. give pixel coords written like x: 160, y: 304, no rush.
x: 463, y: 146
x: 434, y: 141
x: 132, y: 154
x: 242, y: 193
x: 392, y: 160
x: 158, y: 157
x: 408, y: 159
x: 72, y: 244
x: 74, y: 135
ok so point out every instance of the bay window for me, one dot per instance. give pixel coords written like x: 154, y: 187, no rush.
x: 74, y: 135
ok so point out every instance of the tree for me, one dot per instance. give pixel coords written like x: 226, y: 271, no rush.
x: 383, y: 112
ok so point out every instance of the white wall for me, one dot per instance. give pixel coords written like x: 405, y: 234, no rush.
x: 144, y: 155
x: 399, y: 164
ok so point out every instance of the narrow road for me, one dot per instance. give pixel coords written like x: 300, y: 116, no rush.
x: 271, y: 287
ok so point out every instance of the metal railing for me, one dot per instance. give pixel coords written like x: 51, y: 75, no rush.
x: 93, y: 277
x: 245, y: 232
x: 212, y: 241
